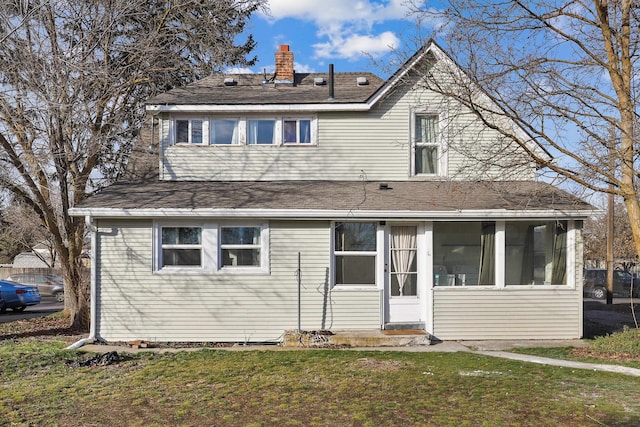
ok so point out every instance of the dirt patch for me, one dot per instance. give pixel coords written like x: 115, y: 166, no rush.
x: 618, y: 357
x: 381, y: 365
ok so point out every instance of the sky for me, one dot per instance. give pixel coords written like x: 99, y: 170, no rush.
x: 351, y: 34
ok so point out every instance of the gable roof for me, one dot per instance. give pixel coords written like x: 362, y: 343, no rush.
x: 335, y: 199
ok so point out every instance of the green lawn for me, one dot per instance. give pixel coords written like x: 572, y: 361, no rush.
x: 304, y: 388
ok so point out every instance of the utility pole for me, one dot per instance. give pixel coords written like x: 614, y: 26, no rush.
x: 610, y: 248
x: 610, y: 229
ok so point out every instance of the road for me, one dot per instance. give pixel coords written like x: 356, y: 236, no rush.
x: 46, y: 307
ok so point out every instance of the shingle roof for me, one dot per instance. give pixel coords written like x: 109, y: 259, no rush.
x: 250, y: 89
x: 414, y: 196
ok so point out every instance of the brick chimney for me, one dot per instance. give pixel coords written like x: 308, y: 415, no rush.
x: 284, y: 64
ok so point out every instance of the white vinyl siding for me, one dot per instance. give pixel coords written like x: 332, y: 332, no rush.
x: 135, y: 303
x: 347, y: 144
x: 507, y: 313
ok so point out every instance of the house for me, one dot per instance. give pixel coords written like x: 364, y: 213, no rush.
x: 332, y: 201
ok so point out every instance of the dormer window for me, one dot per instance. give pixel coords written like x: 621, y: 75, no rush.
x: 189, y: 131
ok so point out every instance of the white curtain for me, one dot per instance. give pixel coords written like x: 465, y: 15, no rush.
x: 252, y: 131
x: 403, y: 251
x: 428, y: 129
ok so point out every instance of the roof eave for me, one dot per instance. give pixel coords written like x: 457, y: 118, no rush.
x: 256, y: 108
x: 312, y: 214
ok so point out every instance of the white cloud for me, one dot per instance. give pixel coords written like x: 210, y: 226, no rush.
x: 238, y: 70
x: 355, y: 46
x: 347, y: 24
x: 351, y: 12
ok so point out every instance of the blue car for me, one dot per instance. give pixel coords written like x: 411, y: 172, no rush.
x: 17, y: 297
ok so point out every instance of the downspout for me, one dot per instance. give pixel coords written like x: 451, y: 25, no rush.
x: 91, y: 226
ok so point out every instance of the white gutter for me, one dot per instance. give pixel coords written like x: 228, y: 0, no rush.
x: 92, y: 327
x: 309, y: 214
x: 248, y: 108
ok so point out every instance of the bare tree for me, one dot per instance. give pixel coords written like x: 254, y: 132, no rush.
x: 21, y: 229
x: 73, y: 76
x: 595, y: 238
x: 565, y: 72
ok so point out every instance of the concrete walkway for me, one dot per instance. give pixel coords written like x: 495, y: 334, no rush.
x: 490, y: 348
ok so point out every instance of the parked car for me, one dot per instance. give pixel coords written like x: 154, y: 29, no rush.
x: 51, y: 285
x: 3, y: 305
x: 17, y: 297
x: 595, y: 283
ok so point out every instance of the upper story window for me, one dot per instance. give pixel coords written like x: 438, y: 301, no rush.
x: 223, y: 132
x: 258, y: 130
x: 297, y: 131
x: 189, y: 131
x: 261, y: 131
x: 426, y: 153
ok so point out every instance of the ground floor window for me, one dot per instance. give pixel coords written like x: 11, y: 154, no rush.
x: 211, y: 248
x: 181, y: 246
x: 463, y: 253
x: 240, y: 246
x: 355, y: 253
x: 536, y: 253
x: 526, y: 253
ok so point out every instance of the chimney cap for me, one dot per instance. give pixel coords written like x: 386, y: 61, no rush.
x: 284, y: 48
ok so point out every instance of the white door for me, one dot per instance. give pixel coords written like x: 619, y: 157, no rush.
x: 403, y: 293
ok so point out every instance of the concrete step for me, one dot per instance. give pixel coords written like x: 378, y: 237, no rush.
x: 356, y: 338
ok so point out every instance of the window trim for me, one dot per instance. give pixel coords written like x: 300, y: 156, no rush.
x: 211, y: 251
x: 442, y: 163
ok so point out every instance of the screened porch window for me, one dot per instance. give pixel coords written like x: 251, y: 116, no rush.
x: 426, y: 145
x: 536, y: 253
x: 464, y: 253
x: 355, y: 253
